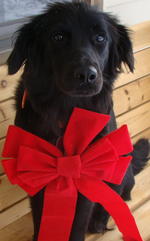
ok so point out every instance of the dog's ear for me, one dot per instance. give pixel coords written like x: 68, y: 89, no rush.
x: 21, y: 49
x: 121, y: 50
x: 124, y: 47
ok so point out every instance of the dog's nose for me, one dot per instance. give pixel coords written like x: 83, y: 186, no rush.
x: 86, y: 75
x: 92, y: 74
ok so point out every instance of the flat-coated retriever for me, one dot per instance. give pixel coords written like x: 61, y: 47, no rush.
x: 72, y: 53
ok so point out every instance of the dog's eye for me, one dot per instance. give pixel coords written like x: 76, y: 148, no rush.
x: 99, y: 38
x: 58, y: 37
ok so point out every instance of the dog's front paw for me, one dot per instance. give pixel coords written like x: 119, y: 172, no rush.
x: 97, y: 226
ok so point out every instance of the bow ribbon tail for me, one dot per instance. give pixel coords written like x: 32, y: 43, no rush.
x: 99, y: 192
x: 58, y: 213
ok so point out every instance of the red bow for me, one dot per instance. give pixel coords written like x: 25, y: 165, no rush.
x: 33, y: 164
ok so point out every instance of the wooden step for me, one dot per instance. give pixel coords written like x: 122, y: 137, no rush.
x: 140, y: 36
x: 4, y: 126
x: 1, y: 147
x: 137, y: 119
x: 142, y: 68
x: 7, y: 110
x: 7, y: 83
x: 7, y: 115
x: 131, y: 95
x: 9, y: 194
x: 20, y: 230
x: 143, y: 134
x: 14, y: 213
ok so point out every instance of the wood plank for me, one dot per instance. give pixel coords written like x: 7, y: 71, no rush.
x: 142, y: 68
x: 4, y: 126
x: 20, y: 230
x: 1, y: 147
x: 137, y: 119
x: 7, y: 115
x: 131, y: 95
x: 141, y: 36
x: 143, y: 134
x: 15, y: 212
x: 7, y: 110
x: 98, y: 3
x: 9, y: 194
x: 141, y: 190
x: 7, y: 83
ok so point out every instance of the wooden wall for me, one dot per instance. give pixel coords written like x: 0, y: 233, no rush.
x: 132, y: 106
x: 132, y: 91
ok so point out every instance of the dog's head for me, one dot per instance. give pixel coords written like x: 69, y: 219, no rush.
x: 73, y: 47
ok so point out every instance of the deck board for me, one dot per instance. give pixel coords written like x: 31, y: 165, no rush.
x: 20, y: 230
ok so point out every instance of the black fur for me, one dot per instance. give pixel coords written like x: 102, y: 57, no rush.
x: 71, y: 54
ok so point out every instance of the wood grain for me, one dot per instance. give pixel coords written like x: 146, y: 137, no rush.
x: 143, y: 134
x: 7, y: 110
x: 131, y: 95
x: 20, y: 230
x: 7, y: 115
x: 7, y: 83
x: 141, y: 36
x: 137, y: 119
x: 142, y: 68
x: 4, y: 126
x: 141, y: 190
x: 13, y: 213
x: 9, y: 194
x: 1, y: 147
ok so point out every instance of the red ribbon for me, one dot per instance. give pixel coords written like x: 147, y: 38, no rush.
x: 33, y: 164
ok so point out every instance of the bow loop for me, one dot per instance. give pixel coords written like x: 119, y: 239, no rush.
x: 24, y: 138
x: 75, y: 142
x: 38, y: 161
x: 106, y: 152
x: 99, y: 148
x: 120, y: 140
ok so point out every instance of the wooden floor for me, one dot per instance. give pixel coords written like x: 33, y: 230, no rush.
x: 22, y: 229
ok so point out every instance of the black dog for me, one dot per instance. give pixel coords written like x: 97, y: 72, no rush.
x: 71, y: 54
